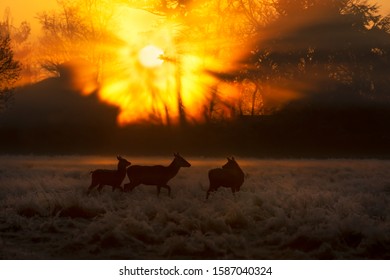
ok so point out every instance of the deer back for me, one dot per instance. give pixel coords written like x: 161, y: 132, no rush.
x: 149, y: 175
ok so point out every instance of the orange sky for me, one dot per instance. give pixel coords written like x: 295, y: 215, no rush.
x: 27, y: 9
x: 128, y: 83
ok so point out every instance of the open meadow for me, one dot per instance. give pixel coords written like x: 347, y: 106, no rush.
x: 286, y: 209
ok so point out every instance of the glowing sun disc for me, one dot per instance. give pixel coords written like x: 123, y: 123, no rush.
x: 150, y: 56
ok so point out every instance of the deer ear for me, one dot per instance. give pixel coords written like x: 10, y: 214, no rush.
x: 233, y: 159
x: 118, y: 157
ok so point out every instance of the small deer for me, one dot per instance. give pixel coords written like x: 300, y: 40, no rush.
x: 156, y: 175
x: 112, y: 178
x: 229, y: 176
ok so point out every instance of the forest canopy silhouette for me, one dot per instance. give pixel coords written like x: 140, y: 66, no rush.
x: 268, y: 78
x: 329, y: 50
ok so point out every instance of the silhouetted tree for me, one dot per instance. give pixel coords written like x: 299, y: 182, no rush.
x: 77, y: 30
x: 320, y: 49
x: 9, y: 67
x: 23, y: 49
x: 203, y: 29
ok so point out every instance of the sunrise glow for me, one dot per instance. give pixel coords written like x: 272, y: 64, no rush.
x: 151, y: 56
x: 194, y: 62
x: 151, y: 73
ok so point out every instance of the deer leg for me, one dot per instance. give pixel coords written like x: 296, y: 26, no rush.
x: 165, y: 187
x: 91, y: 187
x: 129, y: 187
x: 212, y: 188
x: 158, y: 190
x: 100, y: 188
x: 168, y: 188
x: 117, y: 187
x: 208, y: 193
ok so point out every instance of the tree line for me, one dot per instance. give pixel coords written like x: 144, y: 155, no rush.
x: 304, y: 52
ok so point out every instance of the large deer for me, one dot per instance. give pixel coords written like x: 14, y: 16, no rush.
x: 112, y: 178
x: 156, y: 175
x: 229, y: 176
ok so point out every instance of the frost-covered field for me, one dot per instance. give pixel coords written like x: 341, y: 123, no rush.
x: 287, y: 209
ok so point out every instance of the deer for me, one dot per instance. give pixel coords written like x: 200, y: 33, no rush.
x: 156, y: 175
x: 112, y: 178
x: 229, y: 176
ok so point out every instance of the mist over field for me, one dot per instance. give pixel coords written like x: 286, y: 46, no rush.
x: 287, y: 209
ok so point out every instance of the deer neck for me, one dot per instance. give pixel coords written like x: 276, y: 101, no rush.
x: 173, y: 168
x: 121, y: 169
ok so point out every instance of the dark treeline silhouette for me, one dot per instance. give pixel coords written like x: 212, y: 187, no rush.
x: 316, y: 76
x: 51, y: 117
x: 64, y: 122
x: 355, y: 132
x: 333, y: 50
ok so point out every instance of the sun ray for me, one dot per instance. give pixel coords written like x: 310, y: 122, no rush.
x: 159, y: 69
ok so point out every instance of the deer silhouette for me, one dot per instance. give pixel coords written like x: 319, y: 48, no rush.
x: 156, y: 175
x: 229, y: 176
x: 112, y: 178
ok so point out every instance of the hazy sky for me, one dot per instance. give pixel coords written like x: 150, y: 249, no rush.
x: 27, y: 9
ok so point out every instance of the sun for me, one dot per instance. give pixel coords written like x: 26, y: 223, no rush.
x: 150, y: 56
